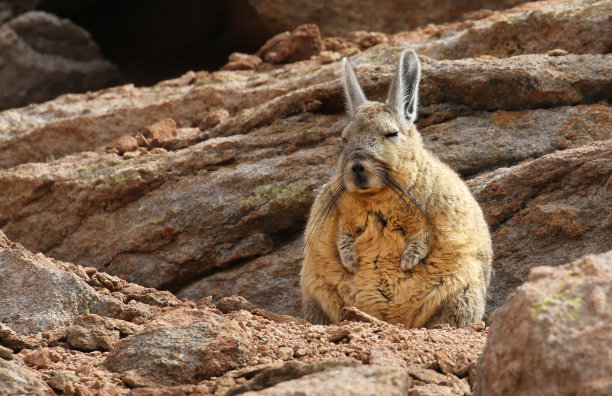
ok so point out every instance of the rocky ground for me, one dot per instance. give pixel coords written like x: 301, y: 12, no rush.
x: 198, y: 188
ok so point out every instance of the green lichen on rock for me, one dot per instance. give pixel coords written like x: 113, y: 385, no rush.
x: 88, y: 303
x: 271, y: 194
x: 564, y: 303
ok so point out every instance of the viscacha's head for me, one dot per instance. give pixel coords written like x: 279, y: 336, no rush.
x: 380, y: 138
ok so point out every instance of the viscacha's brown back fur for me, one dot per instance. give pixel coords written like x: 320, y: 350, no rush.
x: 395, y: 232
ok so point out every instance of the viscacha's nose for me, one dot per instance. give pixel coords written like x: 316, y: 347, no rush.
x: 358, y: 169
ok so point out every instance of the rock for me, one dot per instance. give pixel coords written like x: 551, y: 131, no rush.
x: 536, y: 225
x: 43, y: 294
x: 41, y: 358
x: 365, y: 40
x: 90, y: 332
x: 431, y: 390
x: 14, y: 341
x: 272, y: 376
x: 553, y: 334
x: 300, y: 44
x: 38, y: 294
x: 365, y: 380
x: 384, y: 357
x: 63, y: 381
x: 235, y: 303
x: 6, y: 353
x: 122, y: 145
x: 534, y: 27
x: 41, y: 132
x: 277, y: 273
x: 353, y: 314
x: 181, y: 347
x: 505, y: 138
x: 18, y: 380
x: 224, y: 216
x: 238, y: 61
x: 337, y: 18
x: 44, y: 56
x: 213, y: 118
x: 427, y: 375
x: 329, y: 56
x: 225, y: 200
x: 338, y: 335
x: 161, y: 132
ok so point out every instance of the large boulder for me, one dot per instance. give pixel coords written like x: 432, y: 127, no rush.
x: 184, y: 346
x: 43, y: 56
x: 553, y: 334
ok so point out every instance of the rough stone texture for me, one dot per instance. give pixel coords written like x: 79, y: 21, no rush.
x: 553, y: 334
x: 122, y: 145
x: 184, y: 346
x: 161, y: 132
x: 236, y: 303
x: 272, y: 376
x: 90, y: 332
x: 545, y: 212
x: 485, y: 141
x: 41, y: 294
x: 16, y: 342
x: 219, y: 210
x: 300, y: 44
x: 367, y: 380
x: 271, y: 281
x: 29, y: 308
x: 15, y: 379
x: 43, y: 56
x: 339, y: 17
x: 239, y: 61
x: 533, y: 27
x: 63, y: 381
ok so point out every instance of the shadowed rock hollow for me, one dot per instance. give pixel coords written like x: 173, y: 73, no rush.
x: 201, y: 186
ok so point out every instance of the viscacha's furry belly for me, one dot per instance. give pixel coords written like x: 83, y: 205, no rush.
x: 379, y: 286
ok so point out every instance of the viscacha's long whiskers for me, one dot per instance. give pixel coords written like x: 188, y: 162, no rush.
x: 329, y: 202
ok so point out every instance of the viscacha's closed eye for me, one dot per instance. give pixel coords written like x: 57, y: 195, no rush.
x: 391, y: 135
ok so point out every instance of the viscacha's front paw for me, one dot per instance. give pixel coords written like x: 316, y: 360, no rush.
x: 348, y: 254
x: 409, y: 260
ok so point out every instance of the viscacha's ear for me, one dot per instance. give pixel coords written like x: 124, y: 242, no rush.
x: 352, y: 90
x: 404, y: 91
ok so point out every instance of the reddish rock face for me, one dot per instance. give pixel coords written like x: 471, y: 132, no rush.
x: 553, y: 334
x: 546, y: 211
